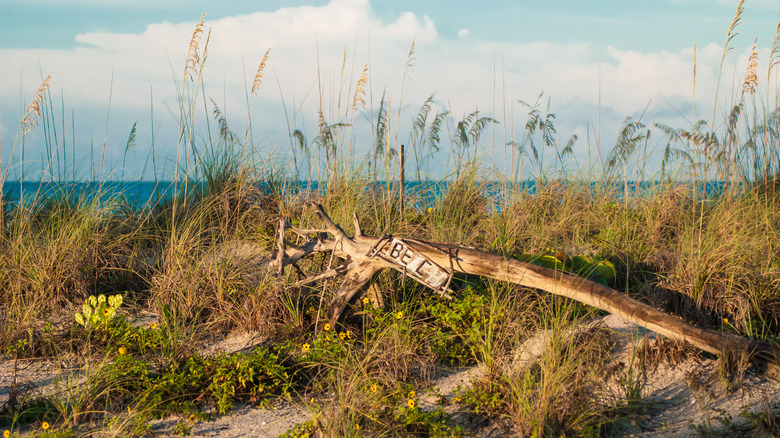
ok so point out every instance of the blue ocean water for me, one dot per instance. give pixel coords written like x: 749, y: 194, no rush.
x: 138, y: 194
x: 142, y: 194
x: 420, y: 194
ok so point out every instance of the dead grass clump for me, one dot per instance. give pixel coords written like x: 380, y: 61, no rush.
x: 660, y: 350
x: 398, y: 357
x: 219, y: 287
x: 734, y: 361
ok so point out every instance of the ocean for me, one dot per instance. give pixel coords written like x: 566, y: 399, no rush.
x: 420, y: 194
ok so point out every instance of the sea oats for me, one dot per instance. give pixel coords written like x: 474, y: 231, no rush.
x: 360, y: 90
x: 193, y: 57
x: 35, y: 107
x: 259, y: 75
x: 751, y: 81
x: 730, y: 35
x: 733, y: 32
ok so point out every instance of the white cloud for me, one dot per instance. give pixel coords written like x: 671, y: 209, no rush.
x: 464, y: 33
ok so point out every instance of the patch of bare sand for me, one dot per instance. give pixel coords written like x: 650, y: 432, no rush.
x: 244, y: 421
x: 689, y: 398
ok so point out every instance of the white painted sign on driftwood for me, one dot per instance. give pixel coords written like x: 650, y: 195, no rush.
x: 412, y: 263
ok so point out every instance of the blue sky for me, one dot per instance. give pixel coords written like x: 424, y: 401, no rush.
x: 596, y: 62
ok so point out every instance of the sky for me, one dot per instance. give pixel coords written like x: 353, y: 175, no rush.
x: 116, y: 63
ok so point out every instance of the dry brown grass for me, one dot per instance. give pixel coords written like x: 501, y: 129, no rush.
x: 657, y: 351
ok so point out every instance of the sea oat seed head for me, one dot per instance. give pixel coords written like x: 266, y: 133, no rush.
x: 259, y: 75
x: 193, y: 57
x: 751, y: 81
x: 360, y: 90
x: 35, y: 108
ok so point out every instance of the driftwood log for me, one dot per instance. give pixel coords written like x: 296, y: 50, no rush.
x: 433, y: 264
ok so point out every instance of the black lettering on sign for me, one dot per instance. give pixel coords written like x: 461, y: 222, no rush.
x: 420, y: 267
x: 395, y: 251
x: 407, y: 255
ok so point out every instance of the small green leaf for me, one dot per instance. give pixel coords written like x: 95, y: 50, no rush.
x: 606, y: 270
x: 549, y: 261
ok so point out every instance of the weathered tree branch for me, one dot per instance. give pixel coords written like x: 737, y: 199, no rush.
x: 427, y: 262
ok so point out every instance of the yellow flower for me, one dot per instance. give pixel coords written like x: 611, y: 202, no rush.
x: 725, y: 320
x: 305, y: 347
x: 106, y: 312
x: 326, y: 327
x: 193, y: 418
x: 399, y: 315
x: 153, y: 326
x: 357, y: 426
x: 457, y: 399
x: 122, y: 350
x: 374, y: 387
x: 311, y: 401
x: 342, y: 335
x: 410, y: 403
x: 366, y: 301
x: 412, y: 394
x: 430, y: 209
x: 45, y: 426
x: 6, y: 433
x: 349, y: 334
